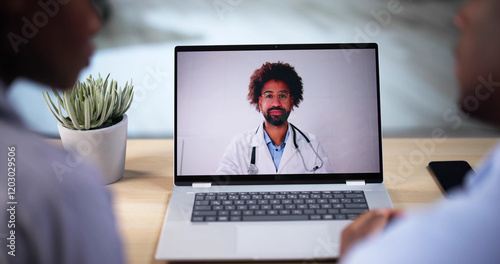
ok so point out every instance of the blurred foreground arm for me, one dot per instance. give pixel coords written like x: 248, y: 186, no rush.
x: 369, y: 223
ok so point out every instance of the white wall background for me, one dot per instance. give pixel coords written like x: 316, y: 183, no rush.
x: 339, y: 106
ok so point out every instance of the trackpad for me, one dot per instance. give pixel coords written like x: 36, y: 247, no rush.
x: 287, y: 239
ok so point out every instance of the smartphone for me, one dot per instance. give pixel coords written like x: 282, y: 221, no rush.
x: 449, y: 174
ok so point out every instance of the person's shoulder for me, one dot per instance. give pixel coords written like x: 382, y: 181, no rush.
x: 44, y: 167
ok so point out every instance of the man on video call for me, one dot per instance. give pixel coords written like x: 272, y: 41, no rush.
x: 276, y: 146
x: 464, y: 229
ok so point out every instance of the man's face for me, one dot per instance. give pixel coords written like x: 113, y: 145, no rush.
x: 478, y: 57
x: 275, y: 102
x: 56, y: 48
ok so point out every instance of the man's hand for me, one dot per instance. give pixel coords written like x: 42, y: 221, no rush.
x: 369, y: 223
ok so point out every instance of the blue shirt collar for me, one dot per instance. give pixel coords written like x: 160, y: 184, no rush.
x: 268, y: 140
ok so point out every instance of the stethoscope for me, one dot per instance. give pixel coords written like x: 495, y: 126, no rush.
x: 252, y: 170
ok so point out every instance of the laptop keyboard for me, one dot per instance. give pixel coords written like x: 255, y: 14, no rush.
x: 278, y: 206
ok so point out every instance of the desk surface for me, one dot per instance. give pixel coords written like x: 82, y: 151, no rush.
x: 141, y: 196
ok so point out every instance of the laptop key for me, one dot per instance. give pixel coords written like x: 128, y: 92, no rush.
x: 352, y: 211
x: 197, y: 219
x: 275, y: 217
x: 320, y: 211
x: 203, y: 207
x: 361, y: 205
x: 203, y: 213
x: 356, y: 195
x: 340, y: 216
x: 352, y: 216
x: 298, y: 201
x: 230, y: 207
x: 313, y: 206
x: 333, y: 211
x: 215, y: 202
x: 315, y: 217
x: 327, y: 217
x: 210, y: 219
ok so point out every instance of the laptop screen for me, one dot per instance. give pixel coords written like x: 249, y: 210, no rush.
x: 249, y: 114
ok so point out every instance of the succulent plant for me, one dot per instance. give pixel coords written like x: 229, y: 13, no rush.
x: 91, y: 104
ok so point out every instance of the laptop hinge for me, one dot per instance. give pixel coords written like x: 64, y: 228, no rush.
x: 202, y: 184
x: 357, y: 182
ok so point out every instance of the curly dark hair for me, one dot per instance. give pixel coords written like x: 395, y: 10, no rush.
x: 275, y: 71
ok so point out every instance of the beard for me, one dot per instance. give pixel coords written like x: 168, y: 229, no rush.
x: 276, y: 120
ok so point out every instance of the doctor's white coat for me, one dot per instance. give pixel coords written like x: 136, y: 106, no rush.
x: 237, y: 157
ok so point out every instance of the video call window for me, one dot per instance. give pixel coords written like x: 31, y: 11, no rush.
x: 220, y: 129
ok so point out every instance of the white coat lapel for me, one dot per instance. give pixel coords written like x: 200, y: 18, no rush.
x: 289, y: 152
x: 263, y: 159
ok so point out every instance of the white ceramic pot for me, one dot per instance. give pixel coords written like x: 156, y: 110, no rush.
x: 103, y: 148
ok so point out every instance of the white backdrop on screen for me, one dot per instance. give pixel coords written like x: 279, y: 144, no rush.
x: 339, y: 106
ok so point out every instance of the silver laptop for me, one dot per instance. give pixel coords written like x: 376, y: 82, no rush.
x: 277, y: 149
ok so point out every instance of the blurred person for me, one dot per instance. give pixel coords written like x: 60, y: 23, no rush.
x: 276, y: 146
x: 48, y: 216
x: 464, y: 229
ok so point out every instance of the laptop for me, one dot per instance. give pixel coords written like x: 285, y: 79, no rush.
x: 241, y: 194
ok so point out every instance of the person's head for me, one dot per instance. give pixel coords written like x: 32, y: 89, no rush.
x: 478, y: 59
x: 275, y: 89
x: 47, y: 41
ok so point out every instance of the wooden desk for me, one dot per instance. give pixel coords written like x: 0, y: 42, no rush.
x: 141, y: 197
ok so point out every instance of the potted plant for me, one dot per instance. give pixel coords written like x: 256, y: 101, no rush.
x: 93, y: 125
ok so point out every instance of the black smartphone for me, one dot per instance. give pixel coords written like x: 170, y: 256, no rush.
x: 449, y: 174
